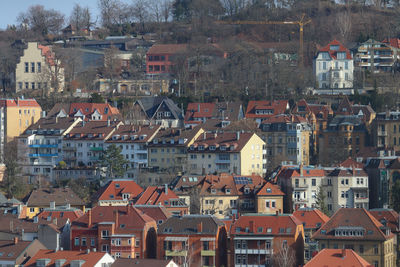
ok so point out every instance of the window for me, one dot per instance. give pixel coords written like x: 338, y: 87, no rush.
x: 324, y: 65
x: 39, y: 67
x: 76, y: 243
x: 104, y: 233
x: 117, y: 242
x: 26, y: 85
x: 33, y: 86
x: 33, y: 67
x: 137, y: 242
x: 83, y: 240
x: 376, y: 250
x: 346, y: 65
x: 324, y: 76
x: 92, y: 242
x: 26, y: 67
x: 117, y: 254
x: 361, y: 249
x: 32, y: 209
x: 314, y: 182
x: 104, y: 248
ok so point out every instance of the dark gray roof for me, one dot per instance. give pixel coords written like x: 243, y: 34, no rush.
x: 150, y: 105
x: 188, y: 224
x: 342, y: 120
x: 3, y: 199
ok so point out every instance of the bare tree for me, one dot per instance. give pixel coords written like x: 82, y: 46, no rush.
x: 81, y: 18
x: 344, y: 23
x: 41, y: 20
x: 141, y: 10
x: 285, y: 257
x: 114, y: 12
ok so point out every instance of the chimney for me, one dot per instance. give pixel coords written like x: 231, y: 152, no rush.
x: 68, y: 206
x: 36, y: 219
x: 301, y: 169
x: 52, y: 205
x: 88, y: 251
x: 55, y: 221
x: 61, y: 248
x: 15, y: 240
x: 343, y: 252
x: 198, y: 107
x: 251, y: 226
x: 43, y: 114
x: 200, y: 227
x: 94, y: 250
x: 89, y: 218
x: 166, y: 189
x: 277, y: 212
x: 116, y: 218
x: 204, y: 136
x: 237, y: 135
x: 56, y: 119
x: 108, y: 123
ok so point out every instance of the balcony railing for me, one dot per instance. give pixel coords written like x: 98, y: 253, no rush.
x: 174, y: 253
x: 253, y: 251
x: 222, y: 161
x: 208, y: 253
x: 43, y: 145
x: 42, y: 155
x: 96, y: 149
x: 382, y: 133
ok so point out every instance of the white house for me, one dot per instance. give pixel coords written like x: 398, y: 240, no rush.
x: 334, y: 66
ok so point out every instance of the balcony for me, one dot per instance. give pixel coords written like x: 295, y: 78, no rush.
x: 96, y: 149
x: 176, y: 253
x: 382, y: 133
x: 222, y: 161
x: 43, y: 146
x: 208, y: 253
x: 69, y: 148
x: 42, y: 155
x: 94, y: 158
x: 254, y: 251
x: 361, y: 200
x: 300, y: 200
x: 300, y: 187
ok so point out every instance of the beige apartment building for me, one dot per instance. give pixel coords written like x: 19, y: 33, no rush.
x: 39, y: 69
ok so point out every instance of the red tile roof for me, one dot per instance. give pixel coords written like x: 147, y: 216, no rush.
x: 270, y: 189
x: 91, y: 259
x: 333, y: 53
x: 387, y: 217
x: 276, y: 107
x: 265, y: 224
x: 129, y: 216
x: 47, y: 53
x: 311, y: 218
x: 199, y: 110
x: 394, y: 42
x: 156, y: 195
x: 349, y: 163
x: 321, y: 112
x: 134, y: 134
x: 157, y: 212
x: 226, y: 139
x: 114, y: 189
x: 104, y: 109
x: 61, y: 215
x: 92, y: 130
x: 337, y: 258
x: 18, y: 103
x: 284, y: 118
x: 352, y: 217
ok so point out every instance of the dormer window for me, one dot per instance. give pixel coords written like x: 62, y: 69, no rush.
x: 172, y: 141
x: 212, y: 148
x: 247, y: 190
x: 232, y: 147
x: 201, y: 147
x: 125, y: 196
x: 155, y: 141
x: 143, y: 136
x: 227, y: 191
x: 223, y: 148
x: 213, y: 191
x: 269, y: 190
x: 192, y: 147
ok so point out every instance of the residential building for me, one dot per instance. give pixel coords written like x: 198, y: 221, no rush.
x: 168, y: 149
x: 163, y: 196
x: 86, y: 111
x: 133, y: 141
x: 16, y: 252
x: 185, y: 188
x: 228, y: 152
x: 364, y: 112
x: 312, y: 219
x: 144, y: 262
x: 386, y: 131
x: 160, y: 58
x: 158, y: 110
x: 46, y: 257
x: 257, y: 238
x: 380, y: 180
x: 158, y: 212
x: 122, y: 231
x: 259, y: 110
x: 90, y: 173
x: 345, y: 136
x: 269, y: 199
x: 226, y: 195
x: 193, y: 239
x: 197, y: 113
x: 357, y: 229
x: 287, y: 138
x: 11, y: 226
x: 39, y: 69
x: 39, y: 199
x: 318, y: 116
x: 85, y: 143
x: 343, y: 187
x: 40, y: 145
x: 337, y: 257
x: 333, y: 66
x: 118, y: 192
x: 376, y: 56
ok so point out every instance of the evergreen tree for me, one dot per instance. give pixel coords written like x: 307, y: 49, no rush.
x: 114, y: 162
x: 321, y: 200
x: 395, y: 196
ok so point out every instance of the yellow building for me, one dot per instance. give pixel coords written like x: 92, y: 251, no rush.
x: 39, y: 69
x: 19, y: 114
x: 225, y: 195
x: 269, y: 199
x: 228, y: 152
x: 287, y: 138
x: 168, y: 149
x: 357, y: 229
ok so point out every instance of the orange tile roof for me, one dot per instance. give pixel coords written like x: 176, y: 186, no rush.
x: 18, y: 103
x: 104, y: 109
x: 91, y: 259
x: 311, y: 218
x: 333, y: 53
x: 156, y: 195
x: 270, y: 189
x: 114, y: 189
x: 129, y: 216
x: 337, y: 258
x: 47, y: 53
x: 387, y: 217
x: 270, y: 224
x: 277, y: 107
x: 284, y: 118
x: 140, y: 134
x: 199, y: 110
x: 349, y: 163
x: 226, y: 139
x: 61, y: 215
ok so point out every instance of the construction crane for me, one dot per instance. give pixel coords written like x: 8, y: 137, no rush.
x: 302, y: 22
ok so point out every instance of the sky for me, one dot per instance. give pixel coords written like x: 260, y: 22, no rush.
x: 10, y: 10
